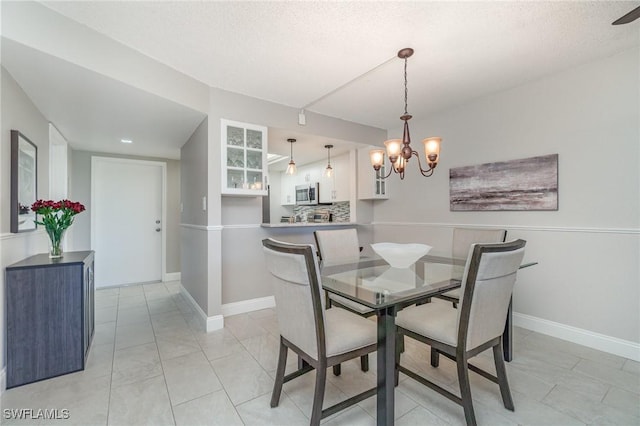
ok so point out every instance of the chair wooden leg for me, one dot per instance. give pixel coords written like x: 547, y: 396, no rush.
x: 465, y: 391
x: 501, y: 373
x: 399, y: 350
x: 277, y: 386
x: 364, y: 363
x: 318, y: 395
x: 327, y: 300
x: 435, y: 358
x: 337, y: 370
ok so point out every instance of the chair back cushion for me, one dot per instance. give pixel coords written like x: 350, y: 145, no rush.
x: 296, y: 287
x: 338, y: 246
x: 488, y: 281
x: 464, y: 237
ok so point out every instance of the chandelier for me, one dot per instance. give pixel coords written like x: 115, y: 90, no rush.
x: 400, y: 151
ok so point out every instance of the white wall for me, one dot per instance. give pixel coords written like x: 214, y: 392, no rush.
x: 193, y: 219
x: 588, y: 250
x: 18, y: 113
x: 242, y: 272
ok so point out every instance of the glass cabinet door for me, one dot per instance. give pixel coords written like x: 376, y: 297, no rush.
x: 380, y: 189
x: 244, y: 155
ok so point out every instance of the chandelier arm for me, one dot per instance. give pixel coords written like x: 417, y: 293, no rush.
x: 426, y: 173
x: 388, y: 174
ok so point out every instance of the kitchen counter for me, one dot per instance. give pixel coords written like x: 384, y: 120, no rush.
x: 307, y: 224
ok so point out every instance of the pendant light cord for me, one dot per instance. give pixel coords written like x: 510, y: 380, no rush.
x: 406, y: 91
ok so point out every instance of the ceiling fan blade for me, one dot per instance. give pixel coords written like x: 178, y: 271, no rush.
x: 629, y: 17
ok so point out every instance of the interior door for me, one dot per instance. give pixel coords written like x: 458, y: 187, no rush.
x: 127, y: 223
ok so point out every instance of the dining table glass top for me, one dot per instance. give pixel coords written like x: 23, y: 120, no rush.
x: 375, y: 284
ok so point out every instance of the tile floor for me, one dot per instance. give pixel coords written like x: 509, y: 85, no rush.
x: 151, y: 364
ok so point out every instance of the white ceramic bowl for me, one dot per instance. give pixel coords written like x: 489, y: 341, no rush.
x: 400, y: 255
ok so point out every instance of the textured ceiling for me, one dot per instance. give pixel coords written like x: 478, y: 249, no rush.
x: 294, y: 53
x: 307, y: 54
x: 95, y: 112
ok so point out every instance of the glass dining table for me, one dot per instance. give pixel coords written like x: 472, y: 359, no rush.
x: 386, y: 290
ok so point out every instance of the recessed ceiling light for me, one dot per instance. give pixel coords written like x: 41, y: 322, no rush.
x: 126, y: 141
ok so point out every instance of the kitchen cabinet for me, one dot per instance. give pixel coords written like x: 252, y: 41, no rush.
x: 338, y: 187
x: 332, y: 190
x: 287, y: 189
x: 244, y: 158
x: 50, y: 316
x: 370, y: 186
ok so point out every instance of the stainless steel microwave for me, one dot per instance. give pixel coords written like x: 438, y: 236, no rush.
x: 307, y: 195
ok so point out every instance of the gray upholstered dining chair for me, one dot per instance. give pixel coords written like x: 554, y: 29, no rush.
x: 342, y: 246
x: 462, y: 240
x: 477, y: 325
x: 322, y: 338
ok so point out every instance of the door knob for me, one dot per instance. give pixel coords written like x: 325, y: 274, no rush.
x: 157, y: 221
x: 157, y: 229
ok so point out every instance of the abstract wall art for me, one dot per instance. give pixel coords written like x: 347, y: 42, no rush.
x: 525, y: 184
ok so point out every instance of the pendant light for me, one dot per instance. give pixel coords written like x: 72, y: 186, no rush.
x: 291, y: 168
x: 328, y: 172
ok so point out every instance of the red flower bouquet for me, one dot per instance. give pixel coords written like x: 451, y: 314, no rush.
x: 56, y: 217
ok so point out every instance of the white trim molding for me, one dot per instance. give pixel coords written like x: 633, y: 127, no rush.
x: 202, y: 227
x: 520, y: 227
x: 3, y: 380
x: 10, y: 235
x: 243, y: 226
x: 171, y: 276
x: 601, y: 342
x: 212, y: 323
x: 249, y: 305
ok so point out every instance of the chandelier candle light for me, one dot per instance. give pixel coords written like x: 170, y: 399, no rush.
x: 399, y: 151
x: 56, y: 217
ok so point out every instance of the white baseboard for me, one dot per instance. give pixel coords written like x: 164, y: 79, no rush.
x: 250, y: 305
x: 212, y: 323
x: 171, y: 276
x: 601, y: 342
x: 3, y: 380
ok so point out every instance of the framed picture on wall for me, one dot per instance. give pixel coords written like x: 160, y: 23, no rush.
x: 524, y: 184
x: 24, y: 178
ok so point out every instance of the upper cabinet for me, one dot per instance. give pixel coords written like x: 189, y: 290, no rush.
x: 370, y: 186
x: 244, y: 158
x: 287, y: 189
x: 336, y: 188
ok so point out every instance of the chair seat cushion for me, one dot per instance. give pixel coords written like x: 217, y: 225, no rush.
x: 435, y: 320
x: 345, y: 331
x: 356, y: 307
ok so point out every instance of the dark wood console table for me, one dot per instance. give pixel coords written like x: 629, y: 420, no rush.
x: 50, y: 316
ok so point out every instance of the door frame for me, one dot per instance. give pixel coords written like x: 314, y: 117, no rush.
x: 163, y: 167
